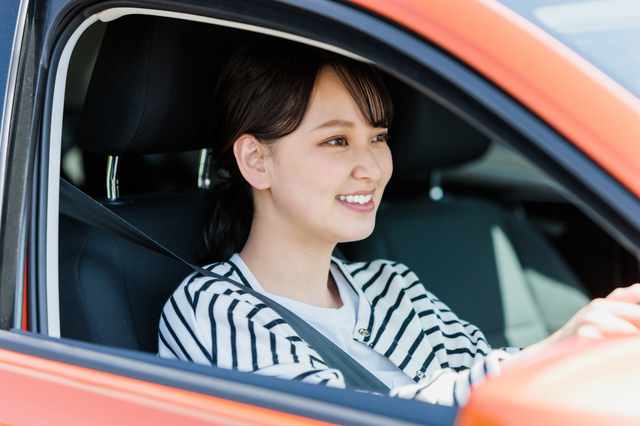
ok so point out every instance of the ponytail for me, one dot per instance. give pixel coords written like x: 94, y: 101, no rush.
x: 228, y: 220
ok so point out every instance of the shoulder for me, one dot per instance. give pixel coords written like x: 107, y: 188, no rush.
x: 197, y: 290
x: 367, y: 274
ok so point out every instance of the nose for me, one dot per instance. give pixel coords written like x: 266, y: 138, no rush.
x: 367, y: 164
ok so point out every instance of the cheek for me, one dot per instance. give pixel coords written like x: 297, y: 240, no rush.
x: 306, y: 180
x: 321, y: 179
x: 385, y: 160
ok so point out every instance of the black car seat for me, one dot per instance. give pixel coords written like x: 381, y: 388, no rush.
x: 490, y: 268
x: 149, y: 92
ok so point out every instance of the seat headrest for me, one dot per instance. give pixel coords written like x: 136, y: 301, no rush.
x: 426, y: 136
x: 152, y: 84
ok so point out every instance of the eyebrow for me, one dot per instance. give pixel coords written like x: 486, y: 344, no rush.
x: 335, y: 123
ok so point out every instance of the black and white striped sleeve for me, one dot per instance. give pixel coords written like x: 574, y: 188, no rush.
x: 464, y: 356
x: 449, y: 387
x: 207, y: 322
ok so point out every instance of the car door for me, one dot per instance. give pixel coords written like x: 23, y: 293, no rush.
x: 80, y: 383
x: 423, y: 45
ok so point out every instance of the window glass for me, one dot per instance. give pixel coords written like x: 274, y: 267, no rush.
x: 605, y: 32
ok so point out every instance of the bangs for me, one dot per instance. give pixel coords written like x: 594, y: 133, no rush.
x: 367, y: 90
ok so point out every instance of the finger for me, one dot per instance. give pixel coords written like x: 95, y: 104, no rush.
x: 629, y: 294
x: 599, y: 323
x: 627, y: 311
x: 589, y: 332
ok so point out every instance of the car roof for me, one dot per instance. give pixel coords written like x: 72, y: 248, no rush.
x: 550, y: 79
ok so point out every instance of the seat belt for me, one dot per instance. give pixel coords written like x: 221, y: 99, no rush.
x: 79, y: 206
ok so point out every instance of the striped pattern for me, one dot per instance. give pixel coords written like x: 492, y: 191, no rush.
x: 211, y: 322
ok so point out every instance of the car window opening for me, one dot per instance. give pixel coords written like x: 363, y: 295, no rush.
x: 488, y: 233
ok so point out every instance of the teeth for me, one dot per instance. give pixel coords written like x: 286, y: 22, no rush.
x: 355, y: 199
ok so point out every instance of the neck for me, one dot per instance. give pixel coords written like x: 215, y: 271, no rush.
x: 292, y: 268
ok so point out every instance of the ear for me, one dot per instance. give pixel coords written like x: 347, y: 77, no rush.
x: 250, y: 156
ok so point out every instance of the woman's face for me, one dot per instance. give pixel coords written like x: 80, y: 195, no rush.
x: 327, y: 177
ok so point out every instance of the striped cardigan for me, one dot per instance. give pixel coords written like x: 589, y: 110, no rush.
x: 208, y: 321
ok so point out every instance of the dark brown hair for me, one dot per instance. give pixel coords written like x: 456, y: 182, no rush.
x: 264, y: 90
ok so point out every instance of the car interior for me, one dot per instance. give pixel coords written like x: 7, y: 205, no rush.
x: 488, y: 233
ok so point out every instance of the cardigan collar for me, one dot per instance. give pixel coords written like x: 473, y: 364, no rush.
x: 400, y: 339
x: 393, y: 328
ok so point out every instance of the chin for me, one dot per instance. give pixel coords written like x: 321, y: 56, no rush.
x: 356, y: 234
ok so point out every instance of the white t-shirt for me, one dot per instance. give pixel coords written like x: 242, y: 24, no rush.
x: 337, y: 325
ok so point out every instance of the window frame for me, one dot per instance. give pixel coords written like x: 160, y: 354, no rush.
x: 433, y: 72
x: 397, y: 51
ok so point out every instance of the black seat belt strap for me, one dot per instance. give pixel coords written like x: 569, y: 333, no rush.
x: 79, y: 206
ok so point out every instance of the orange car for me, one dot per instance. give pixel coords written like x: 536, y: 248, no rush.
x: 515, y: 196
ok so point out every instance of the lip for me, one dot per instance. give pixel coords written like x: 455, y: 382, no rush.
x: 362, y: 192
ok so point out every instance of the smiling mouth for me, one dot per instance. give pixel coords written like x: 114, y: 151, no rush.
x: 355, y: 199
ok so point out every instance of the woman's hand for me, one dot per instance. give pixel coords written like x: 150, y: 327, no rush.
x: 616, y: 315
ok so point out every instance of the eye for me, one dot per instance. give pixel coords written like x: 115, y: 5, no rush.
x: 380, y: 138
x: 337, y: 142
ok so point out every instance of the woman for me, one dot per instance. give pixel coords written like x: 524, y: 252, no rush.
x: 302, y: 135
